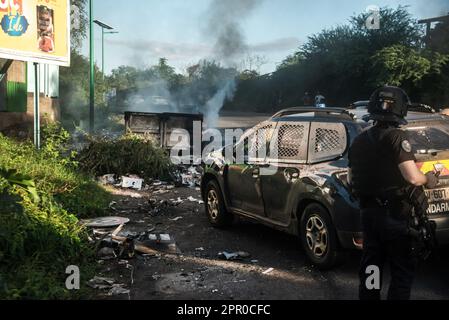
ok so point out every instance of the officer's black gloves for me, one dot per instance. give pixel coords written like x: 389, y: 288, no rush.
x: 432, y: 180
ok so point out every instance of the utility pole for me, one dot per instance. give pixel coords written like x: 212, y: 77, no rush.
x: 92, y: 68
x: 37, y: 118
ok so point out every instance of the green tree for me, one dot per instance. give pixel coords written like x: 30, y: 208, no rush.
x: 78, y: 32
x: 398, y: 65
x: 346, y: 63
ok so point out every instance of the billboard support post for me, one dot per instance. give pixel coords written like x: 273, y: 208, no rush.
x: 37, y: 120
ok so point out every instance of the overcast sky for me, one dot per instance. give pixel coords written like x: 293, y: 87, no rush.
x: 178, y: 29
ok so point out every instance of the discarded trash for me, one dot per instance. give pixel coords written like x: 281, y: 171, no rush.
x: 268, y: 271
x: 191, y: 177
x: 117, y: 289
x: 177, y: 202
x: 199, y: 249
x: 112, y: 205
x: 254, y: 261
x: 107, y: 179
x: 105, y: 222
x: 234, y: 255
x: 154, y: 243
x: 133, y: 183
x: 176, y: 219
x: 106, y: 253
x: 192, y: 199
x: 165, y: 237
x: 100, y: 283
x: 117, y: 230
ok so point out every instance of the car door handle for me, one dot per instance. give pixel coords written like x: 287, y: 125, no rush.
x: 291, y: 174
x: 256, y: 173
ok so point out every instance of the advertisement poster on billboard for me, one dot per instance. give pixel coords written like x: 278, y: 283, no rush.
x: 35, y: 30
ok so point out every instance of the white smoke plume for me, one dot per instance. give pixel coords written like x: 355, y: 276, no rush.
x: 224, y: 28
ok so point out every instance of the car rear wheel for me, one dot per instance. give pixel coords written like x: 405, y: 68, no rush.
x: 319, y: 237
x: 216, y: 211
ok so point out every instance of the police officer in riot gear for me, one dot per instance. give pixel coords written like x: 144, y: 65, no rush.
x: 381, y: 166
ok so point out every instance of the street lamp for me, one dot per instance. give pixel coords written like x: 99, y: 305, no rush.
x: 103, y: 26
x: 92, y: 68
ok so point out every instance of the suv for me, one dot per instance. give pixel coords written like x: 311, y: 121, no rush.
x: 300, y: 184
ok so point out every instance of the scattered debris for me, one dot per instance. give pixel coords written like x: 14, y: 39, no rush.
x: 100, y: 283
x: 192, y: 199
x: 190, y: 177
x: 199, y: 249
x: 117, y: 289
x: 106, y: 253
x: 132, y: 183
x: 268, y: 271
x: 254, y: 261
x: 176, y: 219
x: 234, y: 255
x: 107, y: 179
x: 105, y: 222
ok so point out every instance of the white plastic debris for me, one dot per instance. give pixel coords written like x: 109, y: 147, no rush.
x: 107, y: 179
x: 233, y: 255
x: 191, y: 178
x: 268, y: 271
x: 117, y: 289
x: 165, y: 237
x: 104, y: 222
x: 132, y: 183
x: 100, y: 283
x: 192, y: 199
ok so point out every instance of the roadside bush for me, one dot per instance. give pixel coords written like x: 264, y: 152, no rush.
x: 129, y: 154
x: 38, y: 240
x: 56, y: 175
x: 42, y: 196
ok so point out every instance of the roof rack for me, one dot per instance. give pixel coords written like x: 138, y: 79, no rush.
x: 421, y: 107
x: 318, y: 111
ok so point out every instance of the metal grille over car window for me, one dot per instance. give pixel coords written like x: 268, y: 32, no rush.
x: 328, y: 141
x: 290, y: 143
x: 258, y: 142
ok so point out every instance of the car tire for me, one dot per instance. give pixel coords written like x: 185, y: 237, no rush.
x: 319, y: 238
x: 216, y: 211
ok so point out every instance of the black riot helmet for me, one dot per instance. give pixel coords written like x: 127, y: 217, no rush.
x: 389, y: 104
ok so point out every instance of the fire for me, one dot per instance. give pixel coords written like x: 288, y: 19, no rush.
x: 11, y: 6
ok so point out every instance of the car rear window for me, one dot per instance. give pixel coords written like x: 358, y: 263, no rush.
x: 429, y: 138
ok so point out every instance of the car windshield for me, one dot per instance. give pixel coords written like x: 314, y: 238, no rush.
x: 429, y: 138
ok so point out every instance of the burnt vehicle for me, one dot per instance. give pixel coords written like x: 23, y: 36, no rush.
x: 158, y: 127
x: 300, y: 186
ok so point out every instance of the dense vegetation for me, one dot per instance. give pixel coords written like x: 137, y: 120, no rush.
x: 348, y: 62
x: 42, y: 196
x: 129, y: 154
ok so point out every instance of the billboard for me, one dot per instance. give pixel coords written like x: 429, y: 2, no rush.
x: 35, y: 30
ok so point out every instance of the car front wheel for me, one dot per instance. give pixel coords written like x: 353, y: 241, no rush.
x: 216, y: 211
x: 319, y: 238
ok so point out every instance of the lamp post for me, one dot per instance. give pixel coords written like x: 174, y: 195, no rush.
x: 92, y: 68
x: 103, y: 26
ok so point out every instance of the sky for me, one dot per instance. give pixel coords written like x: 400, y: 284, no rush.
x: 179, y: 31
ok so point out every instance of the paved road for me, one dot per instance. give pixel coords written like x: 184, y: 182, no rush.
x: 198, y: 273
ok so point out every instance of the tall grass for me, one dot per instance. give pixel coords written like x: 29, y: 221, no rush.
x: 40, y: 238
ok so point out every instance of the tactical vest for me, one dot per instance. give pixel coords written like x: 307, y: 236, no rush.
x: 367, y: 165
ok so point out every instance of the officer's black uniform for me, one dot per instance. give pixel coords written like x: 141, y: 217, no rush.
x: 378, y: 183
